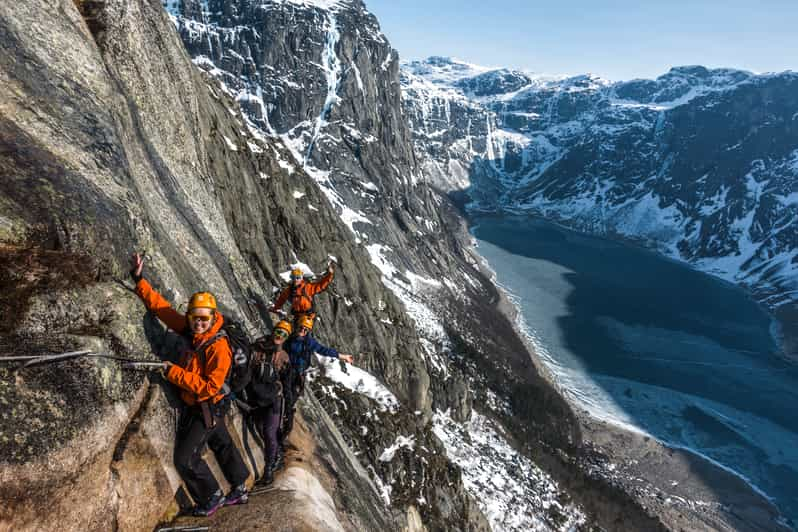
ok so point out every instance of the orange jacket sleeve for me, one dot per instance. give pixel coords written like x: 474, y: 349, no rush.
x: 218, y: 359
x: 156, y: 303
x: 320, y: 285
x: 282, y: 298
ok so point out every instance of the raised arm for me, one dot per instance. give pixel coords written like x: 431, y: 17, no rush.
x: 322, y: 284
x: 152, y: 299
x: 156, y: 303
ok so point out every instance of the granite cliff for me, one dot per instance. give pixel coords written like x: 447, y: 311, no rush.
x: 229, y: 140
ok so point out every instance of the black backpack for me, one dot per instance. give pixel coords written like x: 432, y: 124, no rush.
x: 264, y: 387
x: 240, y: 347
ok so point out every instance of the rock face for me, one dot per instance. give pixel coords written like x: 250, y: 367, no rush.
x: 284, y: 142
x: 112, y: 142
x: 699, y: 164
x: 321, y: 77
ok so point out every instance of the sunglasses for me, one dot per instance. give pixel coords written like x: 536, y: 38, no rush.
x: 279, y: 333
x: 304, y: 329
x: 296, y: 277
x: 200, y: 317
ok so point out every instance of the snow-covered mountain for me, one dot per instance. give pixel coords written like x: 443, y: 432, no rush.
x: 699, y: 164
x: 230, y: 140
x: 321, y: 78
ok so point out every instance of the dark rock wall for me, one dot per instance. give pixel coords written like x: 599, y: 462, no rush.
x: 366, y: 139
x: 113, y: 142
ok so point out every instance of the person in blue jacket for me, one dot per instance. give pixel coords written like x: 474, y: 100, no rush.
x: 300, y: 350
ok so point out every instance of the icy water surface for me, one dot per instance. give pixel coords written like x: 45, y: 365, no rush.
x: 647, y: 342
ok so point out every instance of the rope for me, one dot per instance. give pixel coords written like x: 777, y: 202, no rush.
x: 31, y: 357
x: 32, y: 360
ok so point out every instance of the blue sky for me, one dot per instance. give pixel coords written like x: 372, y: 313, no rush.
x: 617, y: 39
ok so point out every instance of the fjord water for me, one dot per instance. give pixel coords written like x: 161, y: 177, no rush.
x: 646, y: 342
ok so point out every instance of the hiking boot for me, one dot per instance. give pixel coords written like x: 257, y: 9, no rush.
x: 268, y: 477
x: 279, y: 463
x: 239, y: 495
x: 209, y: 508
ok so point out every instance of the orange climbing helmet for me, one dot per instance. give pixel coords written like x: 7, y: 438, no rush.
x: 283, y: 325
x: 306, y: 321
x: 202, y: 300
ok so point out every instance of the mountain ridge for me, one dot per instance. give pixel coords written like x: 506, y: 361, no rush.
x: 413, y: 276
x: 232, y: 141
x: 602, y: 156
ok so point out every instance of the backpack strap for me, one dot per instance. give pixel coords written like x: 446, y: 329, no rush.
x: 200, y: 351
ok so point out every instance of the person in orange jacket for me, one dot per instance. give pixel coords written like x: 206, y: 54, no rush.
x: 301, y: 293
x: 200, y: 374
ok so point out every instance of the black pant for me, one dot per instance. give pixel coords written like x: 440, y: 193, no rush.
x: 268, y: 422
x: 293, y: 391
x: 191, y: 440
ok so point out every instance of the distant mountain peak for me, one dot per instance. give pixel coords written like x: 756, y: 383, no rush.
x: 494, y: 82
x: 704, y: 72
x: 440, y: 60
x: 444, y: 70
x: 321, y: 4
x: 666, y: 160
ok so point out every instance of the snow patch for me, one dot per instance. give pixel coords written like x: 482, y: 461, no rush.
x: 254, y: 148
x: 358, y: 79
x: 332, y: 72
x: 376, y: 252
x: 320, y: 4
x: 230, y: 143
x: 383, y: 489
x: 407, y: 442
x: 512, y: 492
x: 387, y: 62
x: 359, y: 381
x: 433, y: 337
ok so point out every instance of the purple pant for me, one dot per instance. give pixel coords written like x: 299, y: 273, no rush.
x: 269, y: 424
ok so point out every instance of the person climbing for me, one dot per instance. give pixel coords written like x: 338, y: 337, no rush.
x: 301, y: 347
x: 200, y: 374
x: 270, y: 368
x: 301, y: 293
